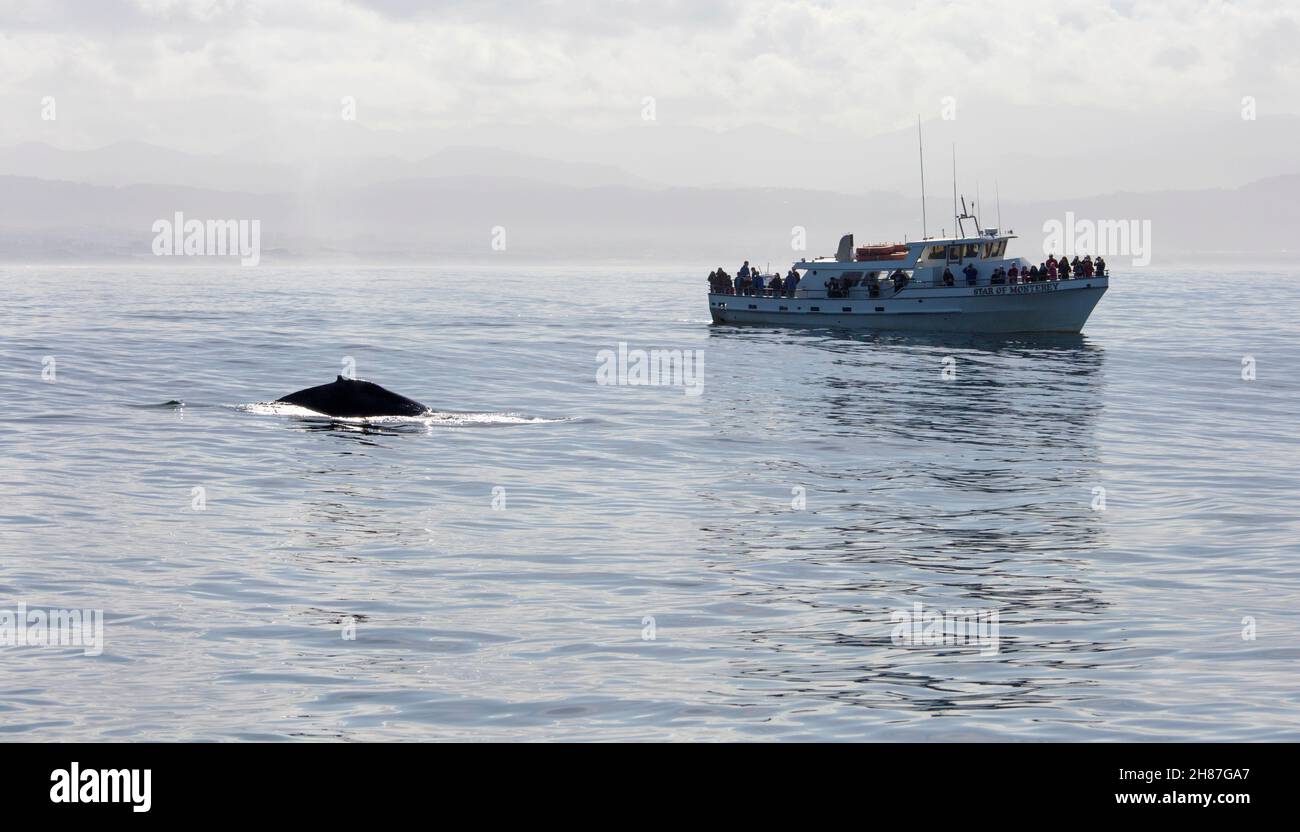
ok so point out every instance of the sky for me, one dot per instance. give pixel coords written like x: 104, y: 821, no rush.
x: 212, y: 75
x: 395, y: 127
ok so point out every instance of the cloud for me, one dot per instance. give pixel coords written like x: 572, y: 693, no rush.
x: 207, y: 74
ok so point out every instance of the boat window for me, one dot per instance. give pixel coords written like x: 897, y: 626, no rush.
x: 954, y: 254
x: 972, y: 250
x: 937, y: 252
x: 1000, y: 249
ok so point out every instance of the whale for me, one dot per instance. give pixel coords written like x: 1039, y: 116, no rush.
x: 354, y: 398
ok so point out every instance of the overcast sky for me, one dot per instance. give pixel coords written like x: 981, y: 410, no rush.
x: 208, y: 75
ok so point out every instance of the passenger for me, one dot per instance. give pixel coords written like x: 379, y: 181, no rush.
x: 1033, y: 275
x: 1065, y: 269
x: 998, y: 277
x: 1051, y: 268
x: 791, y: 283
x: 971, y: 273
x: 1101, y: 266
x: 757, y: 277
x: 873, y: 284
x: 1013, y: 274
x: 1087, y: 265
x: 714, y: 283
x: 948, y: 279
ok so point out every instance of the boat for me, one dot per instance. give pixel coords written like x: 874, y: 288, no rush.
x: 955, y: 283
x: 902, y: 287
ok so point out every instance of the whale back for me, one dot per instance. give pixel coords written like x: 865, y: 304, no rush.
x: 349, y: 397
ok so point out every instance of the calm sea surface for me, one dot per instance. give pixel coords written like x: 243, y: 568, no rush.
x: 549, y: 557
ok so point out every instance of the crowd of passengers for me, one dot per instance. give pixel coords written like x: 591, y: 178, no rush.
x: 750, y: 282
x: 1051, y: 269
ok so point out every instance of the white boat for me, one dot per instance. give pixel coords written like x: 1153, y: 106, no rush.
x: 902, y: 287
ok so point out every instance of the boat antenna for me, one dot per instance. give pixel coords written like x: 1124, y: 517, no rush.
x: 975, y: 209
x: 920, y: 152
x: 998, y: 196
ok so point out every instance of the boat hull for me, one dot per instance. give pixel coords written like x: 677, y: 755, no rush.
x: 1057, y: 306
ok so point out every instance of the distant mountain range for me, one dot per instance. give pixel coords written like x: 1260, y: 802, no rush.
x: 1025, y: 152
x: 101, y: 204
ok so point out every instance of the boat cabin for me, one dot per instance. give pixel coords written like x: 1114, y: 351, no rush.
x: 866, y: 270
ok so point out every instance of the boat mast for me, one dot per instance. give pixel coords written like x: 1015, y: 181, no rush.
x: 955, y: 221
x: 920, y: 152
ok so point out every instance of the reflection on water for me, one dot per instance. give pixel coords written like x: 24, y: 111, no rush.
x: 959, y: 491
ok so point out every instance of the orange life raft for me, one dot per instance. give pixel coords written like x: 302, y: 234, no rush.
x: 882, y: 251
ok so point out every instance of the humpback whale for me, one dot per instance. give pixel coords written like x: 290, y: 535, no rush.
x: 350, y: 397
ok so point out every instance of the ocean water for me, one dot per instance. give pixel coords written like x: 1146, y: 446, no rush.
x: 547, y: 557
